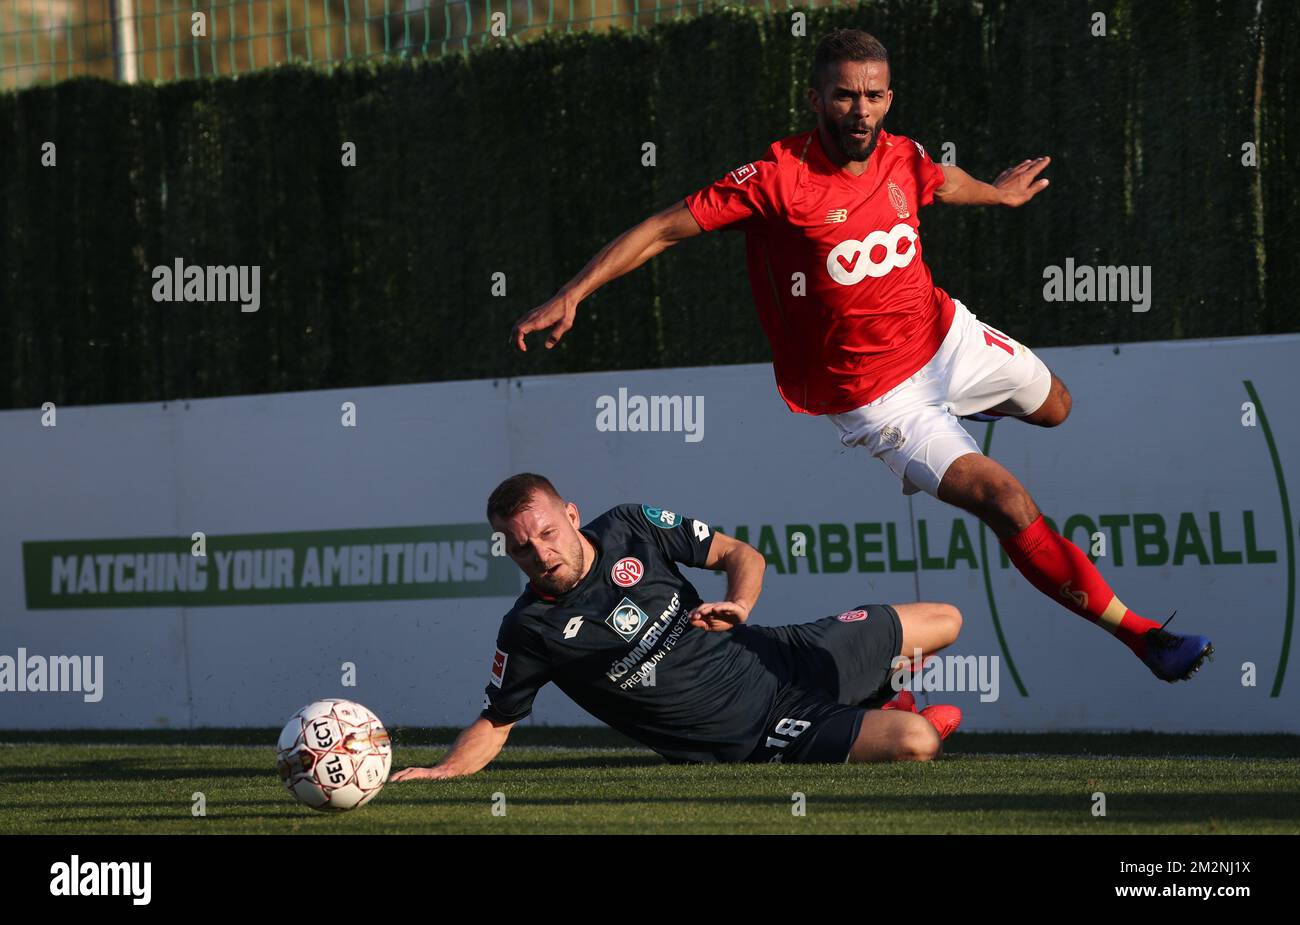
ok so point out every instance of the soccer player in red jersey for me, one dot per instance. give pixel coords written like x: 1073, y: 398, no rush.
x: 862, y: 335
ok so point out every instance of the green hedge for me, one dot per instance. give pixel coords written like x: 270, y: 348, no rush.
x: 526, y: 159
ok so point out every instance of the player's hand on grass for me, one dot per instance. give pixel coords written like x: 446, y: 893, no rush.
x: 1018, y: 184
x: 718, y: 616
x: 437, y: 773
x: 556, y: 313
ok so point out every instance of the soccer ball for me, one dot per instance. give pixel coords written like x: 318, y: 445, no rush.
x: 334, y: 755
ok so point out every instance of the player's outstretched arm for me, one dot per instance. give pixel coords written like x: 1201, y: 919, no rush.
x: 744, y: 566
x: 1015, y: 186
x: 622, y: 255
x: 472, y: 750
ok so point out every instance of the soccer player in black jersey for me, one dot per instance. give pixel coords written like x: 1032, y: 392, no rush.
x: 609, y: 619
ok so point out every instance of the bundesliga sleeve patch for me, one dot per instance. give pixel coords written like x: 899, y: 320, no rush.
x: 852, y: 616
x: 499, y: 668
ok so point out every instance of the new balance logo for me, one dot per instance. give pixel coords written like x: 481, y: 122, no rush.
x: 572, y: 629
x: 836, y: 215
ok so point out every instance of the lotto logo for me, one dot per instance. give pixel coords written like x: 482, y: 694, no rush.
x: 852, y: 261
x: 852, y: 616
x: 627, y: 571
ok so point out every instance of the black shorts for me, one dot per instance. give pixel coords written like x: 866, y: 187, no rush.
x: 834, y: 670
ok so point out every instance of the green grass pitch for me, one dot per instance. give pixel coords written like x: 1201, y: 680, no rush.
x: 566, y: 780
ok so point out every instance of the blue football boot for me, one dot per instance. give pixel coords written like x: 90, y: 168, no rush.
x: 1172, y: 657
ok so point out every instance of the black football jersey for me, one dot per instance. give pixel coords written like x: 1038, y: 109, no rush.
x: 619, y: 645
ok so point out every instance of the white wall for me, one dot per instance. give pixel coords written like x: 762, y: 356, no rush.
x: 1156, y: 429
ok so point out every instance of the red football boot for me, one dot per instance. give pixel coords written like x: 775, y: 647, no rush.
x: 944, y: 717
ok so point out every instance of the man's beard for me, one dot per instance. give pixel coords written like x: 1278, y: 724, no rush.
x: 849, y: 146
x: 565, y: 580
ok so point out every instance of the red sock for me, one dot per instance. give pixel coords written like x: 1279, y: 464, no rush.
x: 1060, y: 570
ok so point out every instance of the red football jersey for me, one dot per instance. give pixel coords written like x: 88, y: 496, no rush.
x: 864, y: 314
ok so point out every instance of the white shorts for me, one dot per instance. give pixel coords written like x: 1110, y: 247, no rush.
x: 913, y: 427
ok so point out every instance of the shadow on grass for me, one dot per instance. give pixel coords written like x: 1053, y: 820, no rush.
x: 592, y: 763
x: 129, y: 769
x: 1134, y: 744
x: 142, y: 769
x: 1126, y: 808
x: 182, y: 808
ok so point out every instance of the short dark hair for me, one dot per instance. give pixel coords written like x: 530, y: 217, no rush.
x: 515, y: 494
x: 845, y: 45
